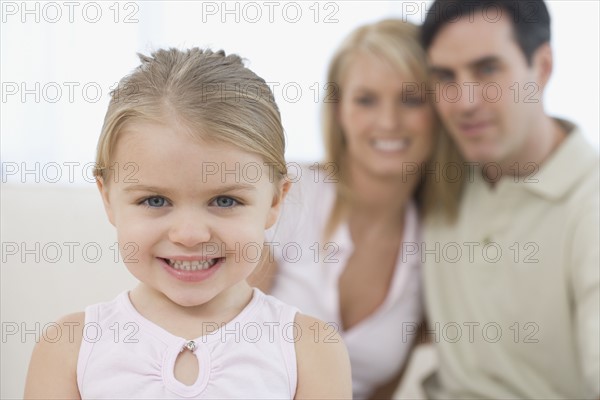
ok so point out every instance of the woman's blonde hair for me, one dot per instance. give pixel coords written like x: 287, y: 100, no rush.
x: 396, y: 42
x: 212, y: 94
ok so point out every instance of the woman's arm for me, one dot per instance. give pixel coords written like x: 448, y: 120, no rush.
x: 53, y: 367
x: 323, y: 363
x: 264, y: 274
x: 387, y: 390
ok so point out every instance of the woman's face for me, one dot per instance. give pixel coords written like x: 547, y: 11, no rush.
x: 387, y: 124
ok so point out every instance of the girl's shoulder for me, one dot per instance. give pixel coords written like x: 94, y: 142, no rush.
x: 322, y: 360
x: 62, y: 338
x: 53, y: 366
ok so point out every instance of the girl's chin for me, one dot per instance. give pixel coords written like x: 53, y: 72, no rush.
x: 189, y: 301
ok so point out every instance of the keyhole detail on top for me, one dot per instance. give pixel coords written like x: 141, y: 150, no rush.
x: 186, y: 365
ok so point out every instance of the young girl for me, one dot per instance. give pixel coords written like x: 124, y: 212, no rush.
x: 191, y: 170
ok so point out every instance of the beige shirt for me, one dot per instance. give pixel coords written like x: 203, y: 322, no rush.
x: 512, y: 288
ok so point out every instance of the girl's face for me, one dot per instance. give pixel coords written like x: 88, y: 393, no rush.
x: 387, y: 126
x: 190, y: 215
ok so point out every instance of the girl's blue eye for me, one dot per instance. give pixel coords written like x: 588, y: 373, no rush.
x: 155, y: 202
x: 225, y: 202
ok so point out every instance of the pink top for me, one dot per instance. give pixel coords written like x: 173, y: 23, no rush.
x: 123, y: 355
x: 308, y: 278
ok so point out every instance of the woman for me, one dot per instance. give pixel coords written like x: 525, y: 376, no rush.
x: 346, y: 247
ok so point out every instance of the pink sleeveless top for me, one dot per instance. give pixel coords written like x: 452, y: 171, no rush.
x: 125, y: 356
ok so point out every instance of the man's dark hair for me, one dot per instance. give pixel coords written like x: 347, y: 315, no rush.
x: 530, y: 19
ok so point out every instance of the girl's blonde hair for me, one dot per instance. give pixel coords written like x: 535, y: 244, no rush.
x: 212, y: 94
x: 396, y: 42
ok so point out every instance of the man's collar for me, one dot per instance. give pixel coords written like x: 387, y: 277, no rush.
x: 567, y: 165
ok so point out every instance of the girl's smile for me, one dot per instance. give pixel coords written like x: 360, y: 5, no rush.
x: 192, y: 271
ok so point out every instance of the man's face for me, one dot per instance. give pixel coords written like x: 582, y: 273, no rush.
x: 487, y: 96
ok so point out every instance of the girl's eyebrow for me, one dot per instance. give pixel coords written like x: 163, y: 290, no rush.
x: 219, y: 189
x: 144, y: 188
x: 234, y: 187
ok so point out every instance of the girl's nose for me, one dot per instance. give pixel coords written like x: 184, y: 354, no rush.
x: 190, y: 229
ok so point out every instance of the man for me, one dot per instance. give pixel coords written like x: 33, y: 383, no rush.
x: 512, y: 284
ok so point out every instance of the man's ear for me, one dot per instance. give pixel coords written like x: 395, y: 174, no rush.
x: 278, y: 198
x: 543, y: 64
x: 103, y: 188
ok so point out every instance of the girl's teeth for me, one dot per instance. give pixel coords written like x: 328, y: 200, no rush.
x: 192, y: 265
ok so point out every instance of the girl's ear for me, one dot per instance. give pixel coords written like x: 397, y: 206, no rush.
x: 278, y: 198
x: 103, y: 188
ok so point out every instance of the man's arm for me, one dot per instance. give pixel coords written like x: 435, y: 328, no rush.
x: 585, y: 267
